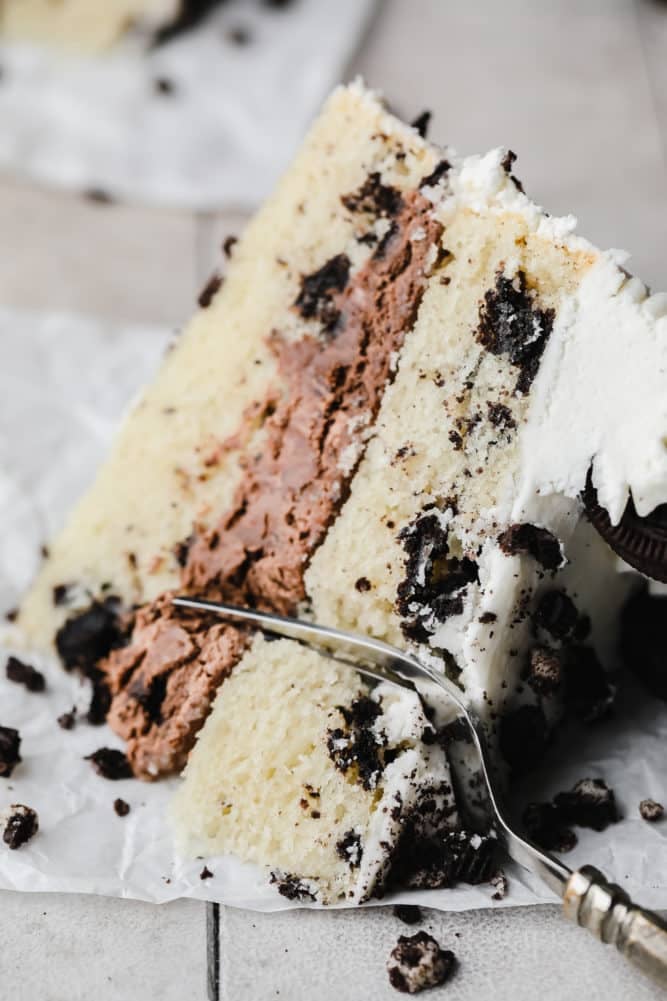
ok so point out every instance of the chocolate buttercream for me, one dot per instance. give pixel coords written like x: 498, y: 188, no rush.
x: 332, y: 380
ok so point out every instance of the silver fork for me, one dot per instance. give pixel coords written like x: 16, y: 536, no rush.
x: 589, y: 899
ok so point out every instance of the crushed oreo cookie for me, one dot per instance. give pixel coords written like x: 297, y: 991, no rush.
x: 523, y: 737
x: 417, y: 962
x: 362, y: 584
x: 409, y: 914
x: 500, y: 416
x: 547, y: 828
x: 207, y: 294
x: 291, y: 887
x: 121, y: 808
x: 164, y: 86
x: 544, y: 672
x: 315, y: 300
x: 88, y: 636
x: 349, y: 848
x: 511, y: 324
x: 110, y: 764
x: 21, y: 823
x: 374, y: 197
x: 651, y: 811
x: 499, y: 884
x: 557, y: 615
x: 590, y: 803
x: 190, y: 14
x: 229, y: 244
x: 100, y: 699
x: 422, y: 122
x: 435, y: 582
x: 439, y: 171
x: 507, y: 165
x: 534, y: 541
x: 424, y: 860
x: 25, y: 674
x: 357, y: 746
x: 66, y: 721
x: 206, y: 873
x: 10, y: 747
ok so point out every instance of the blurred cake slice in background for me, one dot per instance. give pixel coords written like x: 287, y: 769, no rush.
x: 389, y: 417
x: 86, y: 26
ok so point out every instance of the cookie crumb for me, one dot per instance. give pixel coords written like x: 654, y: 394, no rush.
x: 21, y: 823
x: 409, y: 914
x: 121, y: 807
x: 110, y: 764
x: 25, y: 674
x: 500, y: 885
x: 417, y: 962
x: 67, y: 720
x: 10, y: 746
x: 206, y: 873
x: 651, y: 811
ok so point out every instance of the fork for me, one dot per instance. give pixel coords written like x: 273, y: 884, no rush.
x: 588, y: 898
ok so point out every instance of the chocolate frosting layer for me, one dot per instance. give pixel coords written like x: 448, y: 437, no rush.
x: 331, y: 386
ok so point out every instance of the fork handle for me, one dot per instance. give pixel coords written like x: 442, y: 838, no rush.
x: 607, y: 911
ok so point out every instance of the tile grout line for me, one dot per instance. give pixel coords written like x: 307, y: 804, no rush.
x: 213, y: 951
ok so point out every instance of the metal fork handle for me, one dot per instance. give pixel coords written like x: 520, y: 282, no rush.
x: 608, y: 912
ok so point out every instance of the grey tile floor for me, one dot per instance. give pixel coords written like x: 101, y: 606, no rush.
x: 579, y: 89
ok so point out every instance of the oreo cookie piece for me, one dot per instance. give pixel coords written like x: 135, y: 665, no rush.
x: 417, y: 962
x: 590, y: 803
x: 21, y: 823
x: 640, y: 541
x: 10, y: 746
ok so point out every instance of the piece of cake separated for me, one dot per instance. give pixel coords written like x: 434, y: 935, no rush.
x: 391, y: 417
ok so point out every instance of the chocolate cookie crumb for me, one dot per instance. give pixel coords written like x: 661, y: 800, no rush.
x: 229, y: 244
x: 21, y: 824
x: 239, y: 35
x: 67, y: 720
x: 500, y: 416
x: 545, y: 672
x: 536, y: 542
x: 209, y: 290
x: 511, y: 324
x: 417, y: 962
x: 557, y: 614
x: 349, y: 848
x: 98, y: 195
x: 89, y: 635
x: 315, y: 300
x: 10, y: 745
x: 291, y: 887
x: 25, y: 674
x: 121, y: 807
x: 500, y: 885
x: 374, y: 197
x: 409, y: 914
x: 651, y: 811
x: 362, y: 584
x: 12, y: 614
x: 486, y: 618
x: 545, y: 826
x: 164, y: 86
x: 422, y: 122
x: 110, y: 764
x: 60, y: 594
x: 206, y: 873
x: 590, y: 803
x: 439, y: 171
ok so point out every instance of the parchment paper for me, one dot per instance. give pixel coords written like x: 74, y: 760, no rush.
x: 64, y: 382
x: 221, y: 137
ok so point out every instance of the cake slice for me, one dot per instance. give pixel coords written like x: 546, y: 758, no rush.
x: 86, y: 26
x: 390, y: 417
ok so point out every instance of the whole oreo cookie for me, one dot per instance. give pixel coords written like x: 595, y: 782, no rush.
x: 641, y: 542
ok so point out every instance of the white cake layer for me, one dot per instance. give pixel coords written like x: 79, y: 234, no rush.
x: 175, y: 462
x: 81, y: 25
